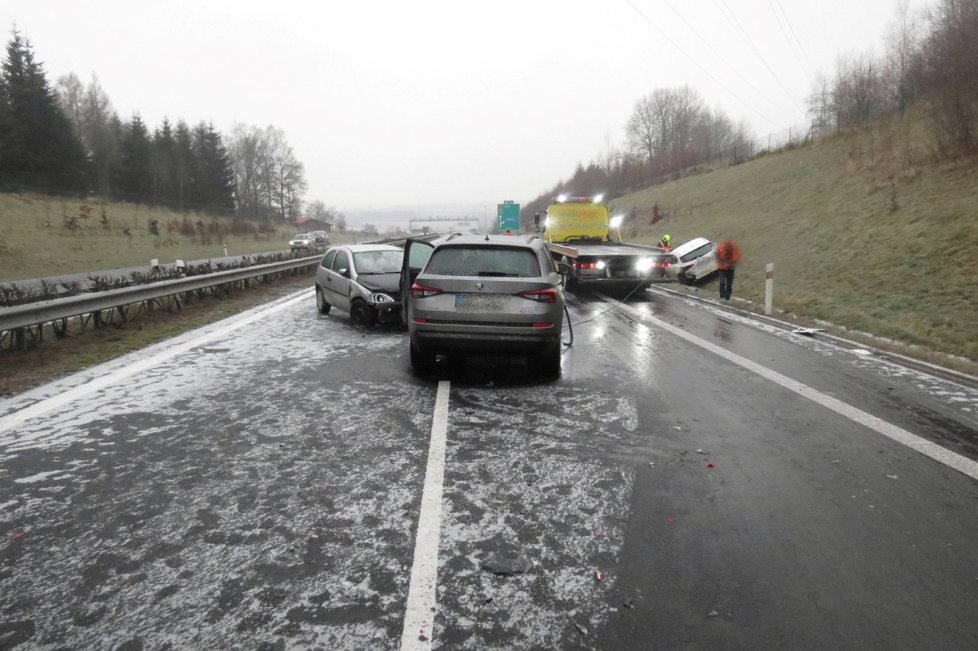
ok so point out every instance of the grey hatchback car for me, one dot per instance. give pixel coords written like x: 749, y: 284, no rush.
x: 483, y: 294
x: 362, y: 279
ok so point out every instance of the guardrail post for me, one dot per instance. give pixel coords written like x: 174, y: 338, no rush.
x: 768, y: 287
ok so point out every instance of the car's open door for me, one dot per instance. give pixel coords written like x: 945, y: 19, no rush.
x: 416, y: 254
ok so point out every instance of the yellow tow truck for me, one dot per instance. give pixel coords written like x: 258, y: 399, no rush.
x: 581, y: 232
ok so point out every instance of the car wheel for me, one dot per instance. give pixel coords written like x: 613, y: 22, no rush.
x: 321, y: 303
x: 421, y: 361
x: 681, y: 277
x: 362, y: 314
x: 549, y: 362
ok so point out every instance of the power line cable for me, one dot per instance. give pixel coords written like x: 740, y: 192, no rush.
x: 760, y: 56
x: 791, y: 46
x: 697, y: 63
x: 718, y: 55
x: 793, y: 33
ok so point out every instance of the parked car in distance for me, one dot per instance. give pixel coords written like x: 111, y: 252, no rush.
x: 321, y: 238
x: 485, y: 295
x: 691, y: 261
x: 363, y: 280
x: 302, y: 242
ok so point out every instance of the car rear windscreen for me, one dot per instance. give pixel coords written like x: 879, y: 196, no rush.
x: 494, y: 261
x: 696, y: 253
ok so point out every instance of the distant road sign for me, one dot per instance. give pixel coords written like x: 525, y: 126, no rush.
x: 508, y: 216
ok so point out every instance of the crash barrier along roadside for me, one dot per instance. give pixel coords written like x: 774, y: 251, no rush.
x: 21, y: 324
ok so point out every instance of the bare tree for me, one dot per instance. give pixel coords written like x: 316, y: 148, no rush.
x: 247, y: 149
x: 270, y: 179
x: 317, y: 210
x: 903, y: 57
x: 71, y: 92
x: 950, y: 75
x: 858, y: 92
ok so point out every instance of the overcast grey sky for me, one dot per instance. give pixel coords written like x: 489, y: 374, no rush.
x: 432, y: 102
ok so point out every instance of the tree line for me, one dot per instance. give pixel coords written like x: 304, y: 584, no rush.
x: 67, y: 139
x: 931, y: 60
x: 670, y: 131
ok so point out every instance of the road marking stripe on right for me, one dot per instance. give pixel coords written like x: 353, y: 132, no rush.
x: 942, y: 455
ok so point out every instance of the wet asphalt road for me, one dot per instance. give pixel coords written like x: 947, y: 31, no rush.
x: 256, y: 484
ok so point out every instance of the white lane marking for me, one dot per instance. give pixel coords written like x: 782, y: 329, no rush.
x: 937, y: 453
x: 60, y: 400
x: 419, y: 615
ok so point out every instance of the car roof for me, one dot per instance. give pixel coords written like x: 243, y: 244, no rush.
x: 691, y: 245
x: 361, y: 248
x: 473, y: 239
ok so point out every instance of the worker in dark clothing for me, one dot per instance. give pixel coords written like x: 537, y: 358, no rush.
x: 727, y: 255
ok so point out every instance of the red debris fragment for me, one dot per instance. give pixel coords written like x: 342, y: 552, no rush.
x: 711, y: 465
x: 20, y: 535
x: 598, y: 576
x: 669, y: 520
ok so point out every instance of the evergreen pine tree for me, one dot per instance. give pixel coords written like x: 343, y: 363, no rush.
x: 39, y: 148
x: 183, y: 157
x: 214, y: 184
x: 164, y: 165
x: 136, y: 173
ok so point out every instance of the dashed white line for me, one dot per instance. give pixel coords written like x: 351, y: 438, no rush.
x: 937, y: 453
x: 419, y: 615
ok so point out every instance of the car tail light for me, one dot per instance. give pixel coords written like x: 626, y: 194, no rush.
x: 589, y: 265
x: 420, y: 291
x: 548, y: 295
x: 543, y: 324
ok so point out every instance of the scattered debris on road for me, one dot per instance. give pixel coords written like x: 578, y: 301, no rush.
x: 502, y: 565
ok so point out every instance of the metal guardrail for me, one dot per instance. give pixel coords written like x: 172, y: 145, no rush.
x: 32, y: 314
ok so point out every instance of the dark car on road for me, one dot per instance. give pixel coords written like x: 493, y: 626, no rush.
x: 483, y: 294
x: 361, y: 279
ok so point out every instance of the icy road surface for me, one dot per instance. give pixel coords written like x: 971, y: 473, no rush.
x: 257, y: 484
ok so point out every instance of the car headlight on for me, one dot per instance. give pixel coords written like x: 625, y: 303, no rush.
x: 378, y: 297
x: 600, y: 264
x: 644, y: 264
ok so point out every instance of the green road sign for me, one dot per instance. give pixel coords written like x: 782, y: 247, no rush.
x: 508, y: 216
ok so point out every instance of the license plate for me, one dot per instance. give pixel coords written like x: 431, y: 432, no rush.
x: 466, y: 302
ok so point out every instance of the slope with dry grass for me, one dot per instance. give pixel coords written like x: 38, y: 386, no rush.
x: 866, y: 230
x: 49, y: 236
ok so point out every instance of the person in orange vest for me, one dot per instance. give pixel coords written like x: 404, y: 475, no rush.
x: 727, y: 255
x: 666, y: 242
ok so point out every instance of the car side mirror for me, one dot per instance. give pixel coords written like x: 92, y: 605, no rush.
x: 563, y: 268
x: 345, y: 273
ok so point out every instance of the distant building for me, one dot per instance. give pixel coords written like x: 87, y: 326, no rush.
x: 303, y: 223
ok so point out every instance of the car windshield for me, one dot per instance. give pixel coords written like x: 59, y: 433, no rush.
x: 378, y: 262
x: 499, y: 261
x: 696, y: 253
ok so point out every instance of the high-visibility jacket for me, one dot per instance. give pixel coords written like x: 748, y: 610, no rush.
x: 728, y: 255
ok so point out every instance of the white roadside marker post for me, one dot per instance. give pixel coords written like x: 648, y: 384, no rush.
x: 768, y: 287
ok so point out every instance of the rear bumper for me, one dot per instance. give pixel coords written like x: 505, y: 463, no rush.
x: 498, y: 345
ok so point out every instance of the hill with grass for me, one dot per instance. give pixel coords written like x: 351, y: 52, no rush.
x: 51, y: 236
x: 867, y: 230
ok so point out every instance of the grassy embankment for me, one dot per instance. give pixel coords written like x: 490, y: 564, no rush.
x: 46, y: 236
x: 49, y: 236
x: 867, y: 231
